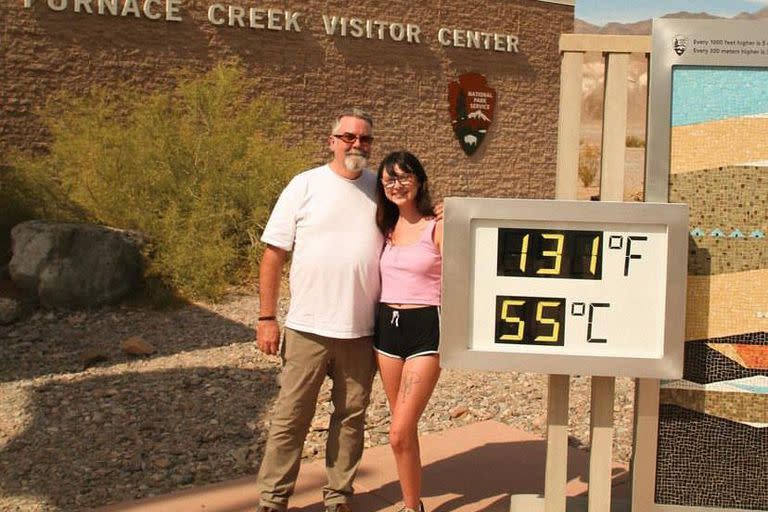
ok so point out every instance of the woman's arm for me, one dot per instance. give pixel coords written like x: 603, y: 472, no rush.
x: 437, y: 235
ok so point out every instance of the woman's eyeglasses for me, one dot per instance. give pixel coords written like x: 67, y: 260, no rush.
x: 350, y: 138
x: 404, y: 181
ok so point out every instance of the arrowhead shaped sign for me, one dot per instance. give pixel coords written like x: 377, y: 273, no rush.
x: 471, y: 106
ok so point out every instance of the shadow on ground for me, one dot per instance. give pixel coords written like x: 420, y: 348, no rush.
x: 480, y: 479
x: 58, y: 342
x: 96, y: 440
x: 494, y: 471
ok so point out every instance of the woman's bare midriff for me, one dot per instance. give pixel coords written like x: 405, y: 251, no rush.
x: 407, y: 306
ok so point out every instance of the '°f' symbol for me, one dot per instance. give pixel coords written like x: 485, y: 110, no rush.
x: 617, y: 241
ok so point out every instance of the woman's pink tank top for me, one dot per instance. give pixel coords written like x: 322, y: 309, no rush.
x: 410, y: 274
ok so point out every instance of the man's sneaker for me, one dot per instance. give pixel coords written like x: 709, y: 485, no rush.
x: 338, y: 507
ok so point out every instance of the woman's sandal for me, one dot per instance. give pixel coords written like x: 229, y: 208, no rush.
x: 406, y: 509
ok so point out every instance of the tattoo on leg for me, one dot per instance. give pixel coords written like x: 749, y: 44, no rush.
x: 410, y: 379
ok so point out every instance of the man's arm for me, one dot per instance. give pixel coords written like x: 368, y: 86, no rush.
x: 268, y: 331
x: 439, y: 207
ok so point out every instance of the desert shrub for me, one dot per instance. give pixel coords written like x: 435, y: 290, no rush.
x: 31, y: 194
x: 633, y: 141
x: 196, y: 169
x: 589, y: 163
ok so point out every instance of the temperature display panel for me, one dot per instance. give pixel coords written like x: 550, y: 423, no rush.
x: 530, y: 320
x: 557, y: 290
x: 548, y: 253
x: 564, y: 286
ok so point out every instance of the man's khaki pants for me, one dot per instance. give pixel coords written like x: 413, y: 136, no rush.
x: 307, y: 359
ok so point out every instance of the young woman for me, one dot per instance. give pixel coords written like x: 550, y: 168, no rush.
x: 408, y: 328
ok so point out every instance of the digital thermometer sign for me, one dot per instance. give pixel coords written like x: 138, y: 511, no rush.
x: 591, y: 288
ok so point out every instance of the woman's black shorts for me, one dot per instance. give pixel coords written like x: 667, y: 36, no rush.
x: 407, y: 333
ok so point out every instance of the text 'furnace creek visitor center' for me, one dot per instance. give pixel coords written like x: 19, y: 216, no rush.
x: 471, y: 88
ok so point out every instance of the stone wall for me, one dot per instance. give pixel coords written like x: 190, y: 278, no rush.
x: 405, y: 86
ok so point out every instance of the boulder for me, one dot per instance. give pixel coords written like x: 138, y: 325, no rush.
x: 74, y: 265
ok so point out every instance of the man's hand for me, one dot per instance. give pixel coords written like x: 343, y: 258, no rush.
x: 268, y: 336
x: 439, y: 210
x: 268, y: 330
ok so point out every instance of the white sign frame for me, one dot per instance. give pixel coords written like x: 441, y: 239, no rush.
x: 664, y: 59
x: 456, y: 347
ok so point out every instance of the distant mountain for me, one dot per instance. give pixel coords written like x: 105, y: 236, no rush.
x: 639, y: 28
x: 593, y: 82
x: 759, y: 15
x: 643, y: 28
x: 583, y: 27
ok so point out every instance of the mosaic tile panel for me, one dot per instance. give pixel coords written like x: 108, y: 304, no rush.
x: 708, y: 255
x: 740, y: 407
x: 727, y: 218
x: 753, y: 357
x: 705, y: 461
x: 726, y: 304
x: 728, y: 198
x: 758, y: 384
x: 733, y: 141
x: 704, y: 364
x: 713, y: 423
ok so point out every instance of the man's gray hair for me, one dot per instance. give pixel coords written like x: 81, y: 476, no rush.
x: 352, y: 112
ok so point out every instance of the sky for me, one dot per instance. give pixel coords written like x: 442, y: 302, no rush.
x: 600, y: 12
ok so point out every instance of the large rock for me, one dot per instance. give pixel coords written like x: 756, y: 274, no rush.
x: 74, y: 265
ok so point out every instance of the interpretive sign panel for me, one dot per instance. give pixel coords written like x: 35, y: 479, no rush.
x: 568, y: 287
x: 708, y: 147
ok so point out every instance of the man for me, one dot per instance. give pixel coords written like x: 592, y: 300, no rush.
x: 326, y: 216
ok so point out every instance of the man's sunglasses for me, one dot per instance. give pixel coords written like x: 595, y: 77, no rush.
x: 350, y: 138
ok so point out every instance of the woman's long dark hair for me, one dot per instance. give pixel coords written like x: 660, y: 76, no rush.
x: 386, y: 211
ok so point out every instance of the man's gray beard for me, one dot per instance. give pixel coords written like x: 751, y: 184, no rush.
x: 355, y: 163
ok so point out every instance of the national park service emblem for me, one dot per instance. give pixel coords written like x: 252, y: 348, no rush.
x: 471, y: 105
x: 680, y: 44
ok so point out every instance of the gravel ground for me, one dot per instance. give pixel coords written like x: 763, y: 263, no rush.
x: 83, y: 424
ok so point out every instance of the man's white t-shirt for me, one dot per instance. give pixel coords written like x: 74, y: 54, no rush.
x: 329, y: 223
